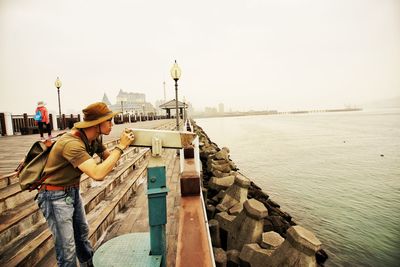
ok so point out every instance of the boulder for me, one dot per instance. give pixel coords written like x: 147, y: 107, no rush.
x: 224, y: 167
x: 255, y: 256
x: 247, y: 227
x: 237, y: 193
x: 235, y: 210
x: 220, y: 174
x: 222, y: 154
x: 221, y: 183
x: 213, y: 225
x: 220, y: 257
x: 233, y: 258
x: 299, y: 249
x: 271, y: 240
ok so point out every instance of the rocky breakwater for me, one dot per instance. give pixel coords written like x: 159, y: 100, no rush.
x: 247, y: 228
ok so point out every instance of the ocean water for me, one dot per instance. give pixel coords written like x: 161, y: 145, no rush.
x: 337, y: 174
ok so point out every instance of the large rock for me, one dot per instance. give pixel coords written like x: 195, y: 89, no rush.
x: 225, y: 221
x: 303, y: 240
x: 255, y: 209
x: 214, y: 233
x: 233, y: 258
x: 236, y: 209
x: 235, y: 194
x: 248, y: 225
x: 224, y: 167
x: 255, y: 256
x: 221, y: 183
x: 298, y: 249
x: 271, y: 240
x: 212, y: 161
x: 220, y: 257
x: 222, y: 154
x: 220, y: 174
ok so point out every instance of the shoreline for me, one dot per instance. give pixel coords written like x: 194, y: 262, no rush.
x: 234, y: 201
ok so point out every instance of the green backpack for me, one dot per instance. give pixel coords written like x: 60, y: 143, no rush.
x: 30, y: 170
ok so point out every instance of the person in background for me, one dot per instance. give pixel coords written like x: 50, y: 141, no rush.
x: 43, y: 120
x: 59, y: 197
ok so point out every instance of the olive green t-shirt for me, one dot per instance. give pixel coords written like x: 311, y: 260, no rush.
x: 66, y: 155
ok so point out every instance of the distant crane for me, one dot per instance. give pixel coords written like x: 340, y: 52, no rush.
x: 165, y: 95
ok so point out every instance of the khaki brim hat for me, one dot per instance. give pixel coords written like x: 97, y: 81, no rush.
x: 95, y: 114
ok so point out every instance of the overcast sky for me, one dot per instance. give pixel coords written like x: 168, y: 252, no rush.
x: 282, y: 54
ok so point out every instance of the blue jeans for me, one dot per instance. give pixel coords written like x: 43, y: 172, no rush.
x: 65, y: 215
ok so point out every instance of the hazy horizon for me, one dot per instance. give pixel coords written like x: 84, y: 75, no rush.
x: 276, y: 55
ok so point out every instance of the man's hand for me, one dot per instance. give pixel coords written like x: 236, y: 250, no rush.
x: 127, y: 138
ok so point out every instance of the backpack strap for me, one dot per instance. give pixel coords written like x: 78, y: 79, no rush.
x: 89, y: 147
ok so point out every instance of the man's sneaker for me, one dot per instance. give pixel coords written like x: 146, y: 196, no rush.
x: 42, y: 138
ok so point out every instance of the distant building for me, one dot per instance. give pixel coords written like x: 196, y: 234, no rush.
x: 106, y: 100
x: 132, y: 98
x: 221, y: 108
x: 210, y: 111
x: 170, y: 108
x: 129, y: 102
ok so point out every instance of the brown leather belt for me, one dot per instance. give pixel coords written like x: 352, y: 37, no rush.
x: 50, y: 187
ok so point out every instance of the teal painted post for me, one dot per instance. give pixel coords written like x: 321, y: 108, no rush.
x: 157, y: 199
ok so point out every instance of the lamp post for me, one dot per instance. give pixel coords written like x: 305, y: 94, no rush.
x: 58, y: 86
x: 184, y: 111
x: 176, y: 74
x: 122, y: 108
x: 143, y: 110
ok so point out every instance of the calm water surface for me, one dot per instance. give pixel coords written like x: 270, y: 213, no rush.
x: 337, y: 174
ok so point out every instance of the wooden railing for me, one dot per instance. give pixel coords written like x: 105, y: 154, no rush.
x: 3, y: 130
x: 68, y: 122
x: 25, y: 124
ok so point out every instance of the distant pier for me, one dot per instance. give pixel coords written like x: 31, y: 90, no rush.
x: 272, y: 112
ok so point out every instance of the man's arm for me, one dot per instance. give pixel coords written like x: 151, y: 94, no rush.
x: 99, y: 171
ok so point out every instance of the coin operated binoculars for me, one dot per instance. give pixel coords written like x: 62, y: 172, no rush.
x: 136, y: 252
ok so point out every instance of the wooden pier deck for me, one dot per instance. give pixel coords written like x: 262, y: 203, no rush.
x: 134, y: 215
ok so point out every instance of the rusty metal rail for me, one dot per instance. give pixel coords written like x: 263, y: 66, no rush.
x: 194, y: 246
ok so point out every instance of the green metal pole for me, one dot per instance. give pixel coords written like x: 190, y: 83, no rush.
x: 157, y: 200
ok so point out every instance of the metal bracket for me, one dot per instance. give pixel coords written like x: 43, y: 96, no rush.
x: 156, y: 147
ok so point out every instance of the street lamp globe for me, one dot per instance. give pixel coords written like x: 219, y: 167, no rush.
x: 175, y: 71
x: 58, y: 83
